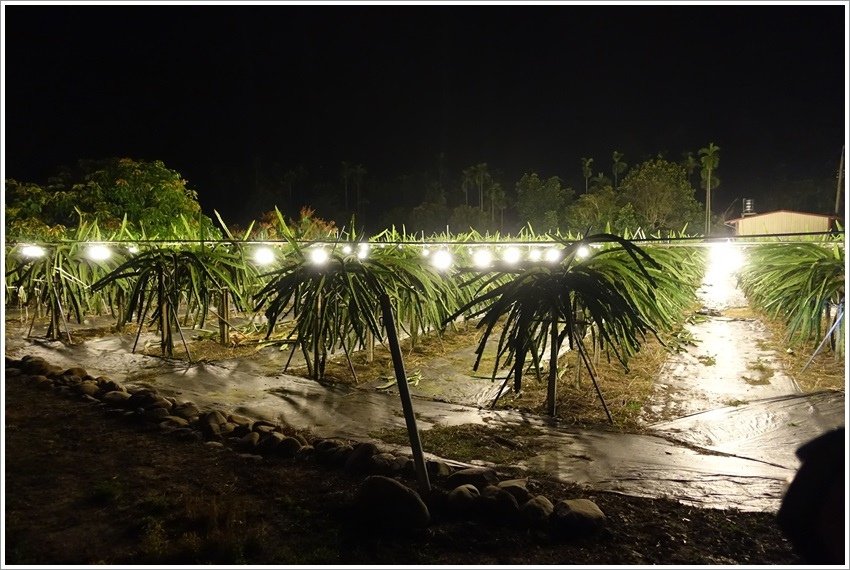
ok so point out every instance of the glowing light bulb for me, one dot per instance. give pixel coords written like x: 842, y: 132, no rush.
x: 552, y: 255
x: 512, y: 255
x: 582, y: 252
x: 319, y: 256
x: 363, y: 251
x: 346, y: 249
x: 442, y: 260
x: 98, y: 252
x: 426, y: 252
x: 263, y: 256
x: 32, y: 251
x: 482, y: 258
x: 535, y: 255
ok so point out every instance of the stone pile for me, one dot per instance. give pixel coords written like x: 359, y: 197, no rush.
x: 383, y: 500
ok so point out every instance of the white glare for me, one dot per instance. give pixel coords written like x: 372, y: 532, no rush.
x: 724, y: 256
x: 133, y: 249
x: 512, y: 255
x: 553, y: 254
x: 534, y: 255
x: 263, y: 256
x: 98, y: 252
x: 582, y: 252
x: 319, y: 256
x: 363, y: 251
x: 482, y: 258
x: 346, y: 249
x: 426, y: 252
x: 32, y: 251
x: 442, y: 260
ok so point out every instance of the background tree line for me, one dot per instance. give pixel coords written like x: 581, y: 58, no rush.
x: 654, y: 194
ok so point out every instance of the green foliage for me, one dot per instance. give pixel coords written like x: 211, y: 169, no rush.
x: 542, y: 203
x: 564, y: 299
x: 797, y: 283
x: 661, y: 195
x: 336, y: 303
x: 147, y: 194
x: 162, y: 277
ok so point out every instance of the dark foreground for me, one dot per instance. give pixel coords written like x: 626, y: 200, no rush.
x: 87, y: 487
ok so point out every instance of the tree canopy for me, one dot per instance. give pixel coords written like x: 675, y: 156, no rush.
x: 150, y: 195
x: 542, y: 203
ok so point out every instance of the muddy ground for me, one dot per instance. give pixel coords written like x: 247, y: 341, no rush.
x: 85, y: 487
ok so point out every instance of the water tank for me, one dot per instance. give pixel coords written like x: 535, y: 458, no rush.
x: 749, y: 207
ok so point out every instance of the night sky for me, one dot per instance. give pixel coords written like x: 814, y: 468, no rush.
x: 523, y: 88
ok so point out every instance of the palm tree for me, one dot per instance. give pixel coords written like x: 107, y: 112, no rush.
x: 599, y: 180
x: 587, y: 171
x: 710, y: 160
x: 476, y: 177
x: 689, y: 163
x: 618, y: 166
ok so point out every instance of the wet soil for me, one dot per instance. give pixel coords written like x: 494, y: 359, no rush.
x: 84, y: 487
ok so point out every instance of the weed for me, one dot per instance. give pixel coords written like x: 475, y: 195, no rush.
x: 707, y: 360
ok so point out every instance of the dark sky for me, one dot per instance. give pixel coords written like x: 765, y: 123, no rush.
x: 520, y: 87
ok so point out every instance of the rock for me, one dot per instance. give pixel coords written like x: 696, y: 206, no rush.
x: 241, y: 421
x: 269, y: 442
x: 186, y: 410
x: 228, y: 428
x: 497, y: 504
x: 288, y: 448
x: 54, y: 372
x: 340, y: 455
x: 535, y: 512
x: 65, y: 391
x: 71, y: 380
x: 35, y: 366
x: 263, y: 426
x: 304, y: 454
x: 358, y: 460
x: 173, y: 422
x: 87, y: 388
x: 42, y: 382
x: 91, y: 399
x: 108, y: 385
x: 12, y: 372
x: 248, y: 442
x: 462, y: 498
x: 141, y: 398
x: 116, y: 398
x: 301, y: 438
x: 517, y: 488
x: 326, y: 451
x: 478, y: 476
x: 75, y: 371
x: 573, y: 517
x: 386, y: 503
x: 214, y: 444
x: 156, y: 414
x: 381, y: 464
x: 400, y: 465
x: 438, y: 468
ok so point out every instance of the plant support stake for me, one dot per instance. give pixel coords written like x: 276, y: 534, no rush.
x: 404, y: 393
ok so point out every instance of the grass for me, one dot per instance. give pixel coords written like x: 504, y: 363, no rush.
x: 506, y: 445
